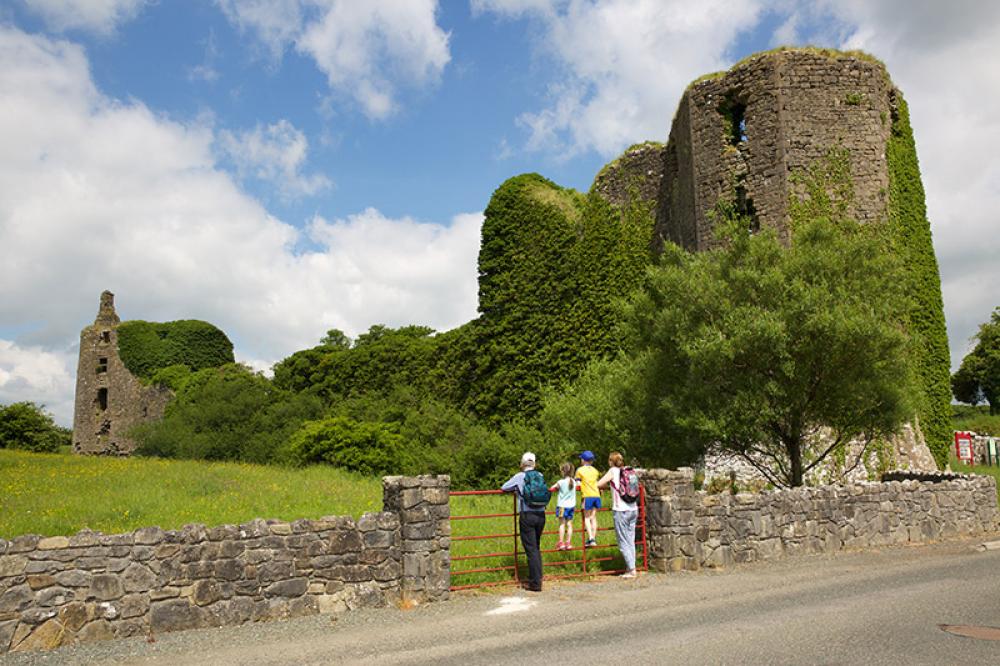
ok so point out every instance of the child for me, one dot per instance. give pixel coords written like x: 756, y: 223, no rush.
x: 565, y: 505
x: 588, y: 476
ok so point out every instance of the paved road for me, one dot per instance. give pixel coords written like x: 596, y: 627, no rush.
x: 852, y: 608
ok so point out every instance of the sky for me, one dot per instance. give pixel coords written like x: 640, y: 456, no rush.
x: 283, y: 167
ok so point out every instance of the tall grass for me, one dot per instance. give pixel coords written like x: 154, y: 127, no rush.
x: 55, y: 494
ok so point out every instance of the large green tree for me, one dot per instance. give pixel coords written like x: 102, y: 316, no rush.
x: 780, y: 355
x: 25, y: 425
x: 978, y: 378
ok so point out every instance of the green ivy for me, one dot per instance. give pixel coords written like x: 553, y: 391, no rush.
x: 147, y: 347
x: 908, y: 217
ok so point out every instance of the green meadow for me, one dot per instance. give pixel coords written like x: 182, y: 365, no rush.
x: 59, y: 494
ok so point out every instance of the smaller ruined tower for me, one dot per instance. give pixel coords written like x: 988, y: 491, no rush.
x: 109, y: 398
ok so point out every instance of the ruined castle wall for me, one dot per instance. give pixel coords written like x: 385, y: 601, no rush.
x: 109, y: 399
x: 794, y: 106
x: 90, y: 586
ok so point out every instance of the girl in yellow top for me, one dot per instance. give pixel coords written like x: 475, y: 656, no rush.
x: 587, y: 475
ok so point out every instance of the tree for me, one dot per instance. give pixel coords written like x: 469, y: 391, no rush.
x: 25, y: 425
x: 978, y: 378
x: 227, y: 413
x: 780, y: 355
x: 336, y: 338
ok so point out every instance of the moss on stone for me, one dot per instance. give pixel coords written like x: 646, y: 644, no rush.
x: 613, y: 164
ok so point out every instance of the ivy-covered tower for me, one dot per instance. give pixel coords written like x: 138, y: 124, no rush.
x: 109, y: 398
x: 741, y: 137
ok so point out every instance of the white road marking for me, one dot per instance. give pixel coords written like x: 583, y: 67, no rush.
x: 512, y: 605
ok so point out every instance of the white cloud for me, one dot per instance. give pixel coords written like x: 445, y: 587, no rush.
x: 367, y: 50
x: 624, y: 64
x: 38, y: 375
x: 275, y: 154
x: 943, y: 56
x: 98, y: 16
x: 98, y: 194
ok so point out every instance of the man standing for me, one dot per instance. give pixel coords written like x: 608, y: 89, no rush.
x: 532, y: 521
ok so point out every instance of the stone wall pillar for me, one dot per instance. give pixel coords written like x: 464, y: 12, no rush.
x: 424, y: 519
x: 670, y: 519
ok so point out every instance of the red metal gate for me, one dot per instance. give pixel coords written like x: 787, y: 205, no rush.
x: 499, y: 566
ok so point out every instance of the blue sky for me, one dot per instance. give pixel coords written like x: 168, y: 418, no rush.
x: 281, y: 167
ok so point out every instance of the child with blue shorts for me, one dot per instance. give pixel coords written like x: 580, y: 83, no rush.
x: 565, y: 505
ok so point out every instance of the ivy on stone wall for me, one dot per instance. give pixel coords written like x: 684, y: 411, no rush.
x: 908, y: 217
x: 551, y: 264
x: 146, y: 347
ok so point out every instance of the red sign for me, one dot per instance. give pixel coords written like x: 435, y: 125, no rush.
x: 963, y: 447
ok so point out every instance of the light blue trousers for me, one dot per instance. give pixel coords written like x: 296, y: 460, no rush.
x: 625, y: 533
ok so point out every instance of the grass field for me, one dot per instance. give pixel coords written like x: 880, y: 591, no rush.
x: 57, y: 494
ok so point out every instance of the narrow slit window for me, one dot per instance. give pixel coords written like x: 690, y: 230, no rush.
x: 105, y: 336
x: 102, y: 399
x: 102, y: 365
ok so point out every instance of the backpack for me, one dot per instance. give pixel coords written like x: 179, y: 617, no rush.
x: 628, y: 485
x: 535, y: 494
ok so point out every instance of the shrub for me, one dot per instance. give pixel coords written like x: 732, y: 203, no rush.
x: 25, y: 425
x: 368, y: 448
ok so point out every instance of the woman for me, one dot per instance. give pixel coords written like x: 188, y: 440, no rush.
x: 625, y: 514
x: 532, y: 523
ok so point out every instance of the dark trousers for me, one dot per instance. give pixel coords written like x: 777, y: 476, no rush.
x: 532, y: 524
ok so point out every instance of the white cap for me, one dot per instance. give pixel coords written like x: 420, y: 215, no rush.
x: 528, y: 459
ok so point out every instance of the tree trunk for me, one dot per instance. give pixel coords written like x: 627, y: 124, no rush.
x: 794, y: 448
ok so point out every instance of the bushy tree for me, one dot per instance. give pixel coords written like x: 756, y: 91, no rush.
x: 226, y: 413
x: 757, y: 348
x: 978, y: 378
x: 364, y: 447
x: 27, y: 426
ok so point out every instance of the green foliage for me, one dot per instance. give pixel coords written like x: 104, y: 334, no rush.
x: 336, y: 338
x: 25, y: 425
x: 756, y: 347
x: 925, y: 320
x: 115, y: 495
x: 380, y: 360
x: 173, y: 376
x: 226, y: 413
x: 367, y: 448
x: 551, y: 264
x: 978, y: 378
x: 146, y: 347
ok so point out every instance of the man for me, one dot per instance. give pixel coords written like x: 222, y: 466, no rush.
x: 532, y: 522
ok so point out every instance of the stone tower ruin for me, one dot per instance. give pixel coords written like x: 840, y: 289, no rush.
x: 109, y: 399
x: 746, y: 137
x: 738, y: 136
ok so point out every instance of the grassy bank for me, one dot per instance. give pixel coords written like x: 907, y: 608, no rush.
x: 56, y: 494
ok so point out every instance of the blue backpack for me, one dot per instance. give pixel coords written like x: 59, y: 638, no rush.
x: 535, y: 493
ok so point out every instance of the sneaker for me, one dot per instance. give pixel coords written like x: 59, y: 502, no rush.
x: 630, y: 574
x: 591, y: 543
x: 559, y: 546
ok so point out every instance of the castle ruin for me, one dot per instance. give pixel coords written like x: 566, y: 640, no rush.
x: 110, y: 400
x: 738, y: 136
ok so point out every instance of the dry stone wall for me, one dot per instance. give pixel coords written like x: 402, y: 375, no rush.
x: 90, y: 586
x: 690, y: 529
